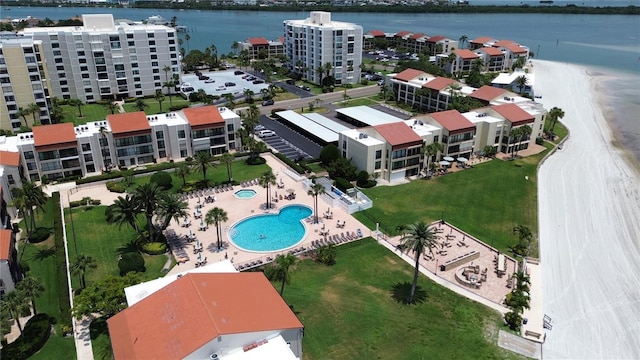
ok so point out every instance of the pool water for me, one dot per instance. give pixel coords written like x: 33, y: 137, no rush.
x: 271, y: 232
x: 245, y: 193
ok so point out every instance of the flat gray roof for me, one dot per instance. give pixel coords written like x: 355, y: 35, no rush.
x: 369, y: 116
x: 312, y: 127
x: 326, y: 122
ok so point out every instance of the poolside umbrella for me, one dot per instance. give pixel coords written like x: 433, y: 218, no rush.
x: 197, y: 243
x: 201, y: 222
x: 190, y: 234
x: 447, y: 158
x: 199, y: 256
x: 462, y: 159
x: 444, y: 163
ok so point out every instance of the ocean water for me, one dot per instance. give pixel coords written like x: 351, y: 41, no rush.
x: 607, y: 43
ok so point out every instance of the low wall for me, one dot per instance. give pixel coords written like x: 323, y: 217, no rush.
x: 462, y: 259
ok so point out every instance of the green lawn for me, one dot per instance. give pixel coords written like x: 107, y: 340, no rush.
x: 349, y: 311
x: 57, y: 347
x: 486, y: 201
x: 364, y: 101
x: 90, y: 112
x: 96, y: 238
x: 153, y: 107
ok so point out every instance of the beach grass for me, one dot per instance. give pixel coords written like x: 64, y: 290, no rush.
x: 486, y: 201
x: 349, y: 311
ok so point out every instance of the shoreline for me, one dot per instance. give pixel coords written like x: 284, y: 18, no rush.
x: 588, y: 206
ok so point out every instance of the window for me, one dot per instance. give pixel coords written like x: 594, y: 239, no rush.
x: 84, y: 68
x: 57, y: 53
x: 151, y: 35
x: 131, y: 43
x: 101, y: 68
x: 28, y: 155
x: 152, y: 42
x: 80, y: 53
x: 154, y: 57
x: 58, y: 61
x: 86, y: 147
x: 181, y: 134
x: 378, y: 154
x: 55, y: 45
x: 154, y: 63
x: 156, y: 77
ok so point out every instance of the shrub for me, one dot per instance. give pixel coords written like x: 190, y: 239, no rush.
x: 326, y: 254
x: 343, y: 184
x: 83, y: 202
x: 40, y: 234
x: 162, y: 179
x: 116, y: 186
x: 131, y: 261
x: 35, y: 334
x: 368, y: 184
x: 154, y: 248
x: 299, y: 169
x: 258, y: 160
x: 178, y: 107
x: 539, y: 141
x: 329, y: 153
x: 130, y: 100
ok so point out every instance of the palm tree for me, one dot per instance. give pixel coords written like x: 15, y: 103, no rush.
x: 266, y: 180
x: 248, y: 95
x: 34, y: 198
x: 522, y: 281
x: 203, y: 161
x: 320, y: 72
x: 430, y: 150
x: 515, y: 134
x: 417, y: 238
x: 183, y: 170
x: 216, y: 216
x: 141, y: 105
x: 228, y: 159
x: 524, y: 234
x: 83, y: 264
x: 23, y: 114
x: 555, y: 113
x: 316, y: 190
x: 235, y: 46
x: 283, y: 264
x: 187, y: 37
x: 31, y: 288
x: 521, y: 132
x: 171, y: 206
x: 464, y: 39
x: 17, y: 305
x: 522, y: 82
x: 328, y: 66
x: 124, y: 210
x: 78, y: 103
x: 34, y: 109
x: 230, y: 101
x: 147, y: 196
x: 170, y: 85
x: 112, y: 106
x: 159, y: 98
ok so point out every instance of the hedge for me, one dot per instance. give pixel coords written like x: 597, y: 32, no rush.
x: 258, y: 160
x: 343, y: 184
x: 292, y: 164
x: 154, y: 248
x: 131, y: 261
x: 162, y: 179
x: 116, y: 186
x: 40, y: 234
x: 64, y: 302
x: 83, y: 202
x: 34, y: 335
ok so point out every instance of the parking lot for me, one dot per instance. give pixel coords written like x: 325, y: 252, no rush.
x: 290, y: 143
x: 220, y: 78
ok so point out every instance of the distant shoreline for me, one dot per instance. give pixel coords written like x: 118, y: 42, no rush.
x: 570, y: 9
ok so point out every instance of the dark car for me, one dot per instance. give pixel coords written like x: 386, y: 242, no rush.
x: 267, y: 102
x: 303, y: 87
x: 251, y: 78
x: 291, y: 82
x: 203, y: 77
x: 258, y: 81
x: 229, y: 83
x: 238, y: 72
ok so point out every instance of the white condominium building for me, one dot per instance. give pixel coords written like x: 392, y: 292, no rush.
x: 313, y: 42
x: 104, y: 60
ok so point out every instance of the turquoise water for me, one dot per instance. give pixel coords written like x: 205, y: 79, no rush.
x: 271, y: 232
x: 245, y: 193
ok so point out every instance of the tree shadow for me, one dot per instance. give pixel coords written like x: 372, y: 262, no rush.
x: 43, y: 254
x: 400, y: 293
x: 98, y: 327
x: 131, y: 246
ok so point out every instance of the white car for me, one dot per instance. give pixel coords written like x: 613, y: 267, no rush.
x: 266, y: 133
x: 221, y: 88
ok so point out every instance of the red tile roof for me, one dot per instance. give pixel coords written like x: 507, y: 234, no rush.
x: 402, y: 33
x: 439, y: 83
x: 436, y: 38
x: 51, y: 135
x: 481, y: 40
x: 398, y: 134
x: 258, y: 41
x: 514, y: 114
x: 9, y: 158
x: 205, y: 115
x: 487, y: 93
x: 128, y: 122
x: 417, y: 36
x: 465, y: 54
x: 491, y: 51
x: 377, y: 33
x: 453, y: 121
x: 408, y: 74
x: 503, y: 43
x: 281, y: 39
x: 515, y: 48
x: 5, y: 244
x: 194, y: 309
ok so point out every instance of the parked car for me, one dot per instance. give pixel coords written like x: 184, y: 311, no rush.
x: 259, y: 81
x: 203, y: 77
x: 304, y: 87
x: 251, y: 78
x: 266, y: 133
x: 221, y: 88
x: 291, y: 82
x: 259, y: 127
x: 381, y: 82
x: 238, y: 72
x: 268, y: 102
x: 209, y: 81
x: 229, y: 83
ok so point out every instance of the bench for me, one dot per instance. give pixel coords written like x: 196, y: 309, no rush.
x: 532, y: 333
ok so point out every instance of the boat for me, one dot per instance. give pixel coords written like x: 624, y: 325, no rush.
x: 546, y: 1
x: 181, y: 28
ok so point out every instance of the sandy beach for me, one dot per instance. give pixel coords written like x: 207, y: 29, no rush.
x: 589, y: 226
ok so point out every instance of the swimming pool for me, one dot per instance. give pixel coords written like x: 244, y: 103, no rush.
x: 245, y: 193
x: 271, y: 232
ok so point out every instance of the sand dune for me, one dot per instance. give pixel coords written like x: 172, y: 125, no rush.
x: 589, y: 217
